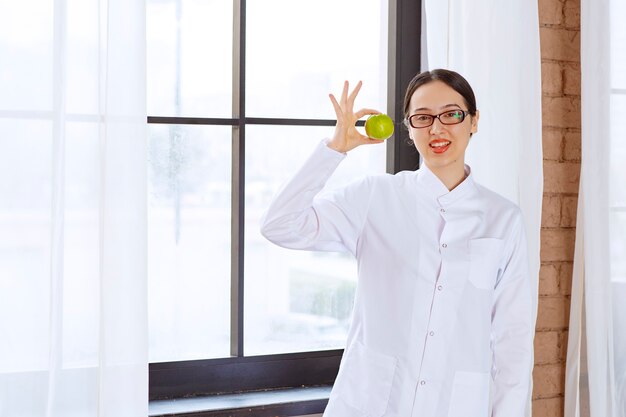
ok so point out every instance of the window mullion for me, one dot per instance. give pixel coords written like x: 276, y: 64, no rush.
x: 238, y: 180
x: 403, y: 63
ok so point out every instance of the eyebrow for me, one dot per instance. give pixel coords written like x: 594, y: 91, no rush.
x: 441, y: 108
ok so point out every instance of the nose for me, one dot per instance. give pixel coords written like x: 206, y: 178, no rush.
x: 436, y: 126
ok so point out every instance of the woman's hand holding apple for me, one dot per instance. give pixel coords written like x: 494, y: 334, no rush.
x: 346, y: 136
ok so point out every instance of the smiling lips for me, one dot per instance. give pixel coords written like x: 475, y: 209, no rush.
x: 439, y: 145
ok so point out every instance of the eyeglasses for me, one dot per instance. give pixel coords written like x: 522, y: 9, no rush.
x: 449, y: 117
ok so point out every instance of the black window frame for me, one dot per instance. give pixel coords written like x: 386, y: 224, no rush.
x: 239, y: 373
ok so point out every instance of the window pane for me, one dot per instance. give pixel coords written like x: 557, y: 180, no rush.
x: 618, y: 245
x: 25, y: 187
x: 297, y: 52
x: 26, y: 29
x: 189, y: 241
x: 295, y: 300
x: 189, y: 57
x: 82, y: 57
x: 81, y: 257
x: 618, y: 150
x: 618, y: 40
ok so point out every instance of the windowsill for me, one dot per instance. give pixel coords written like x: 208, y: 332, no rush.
x: 283, y: 402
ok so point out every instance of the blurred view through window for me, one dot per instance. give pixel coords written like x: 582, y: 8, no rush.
x: 296, y: 53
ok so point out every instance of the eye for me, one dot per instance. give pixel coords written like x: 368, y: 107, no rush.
x: 454, y: 114
x: 422, y: 117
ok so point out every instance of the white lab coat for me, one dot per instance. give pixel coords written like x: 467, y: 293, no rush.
x: 442, y: 322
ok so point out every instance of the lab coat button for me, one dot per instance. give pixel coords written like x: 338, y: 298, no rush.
x: 432, y: 333
x: 442, y: 210
x: 439, y: 287
x: 444, y: 245
x: 422, y: 382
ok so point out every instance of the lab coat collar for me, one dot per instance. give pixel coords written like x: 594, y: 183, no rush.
x: 436, y: 189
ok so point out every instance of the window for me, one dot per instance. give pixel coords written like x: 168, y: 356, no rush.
x: 617, y: 191
x: 237, y: 98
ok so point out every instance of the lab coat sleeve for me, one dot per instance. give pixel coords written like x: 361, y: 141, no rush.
x: 512, y: 329
x: 299, y: 218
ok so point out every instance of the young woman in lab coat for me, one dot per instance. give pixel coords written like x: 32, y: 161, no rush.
x: 442, y: 322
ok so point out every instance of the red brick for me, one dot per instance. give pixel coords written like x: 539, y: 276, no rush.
x: 571, y: 147
x: 559, y: 22
x: 549, y: 278
x: 561, y: 111
x: 552, y: 141
x: 550, y: 12
x: 553, y: 313
x: 551, y: 78
x: 548, y: 381
x: 560, y: 44
x: 564, y: 335
x: 547, y: 347
x: 548, y: 407
x: 565, y: 278
x: 571, y: 10
x: 561, y: 177
x: 569, y: 204
x: 557, y: 245
x: 571, y: 78
x: 551, y: 211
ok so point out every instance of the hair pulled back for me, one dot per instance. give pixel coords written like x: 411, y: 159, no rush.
x: 452, y: 79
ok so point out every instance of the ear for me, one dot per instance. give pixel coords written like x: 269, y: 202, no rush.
x: 475, y: 122
x: 410, y: 131
x: 406, y: 124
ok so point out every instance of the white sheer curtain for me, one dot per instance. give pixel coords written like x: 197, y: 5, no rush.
x: 495, y: 45
x: 73, y: 319
x: 596, y: 357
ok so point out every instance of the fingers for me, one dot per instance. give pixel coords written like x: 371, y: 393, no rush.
x: 336, y: 105
x: 353, y: 95
x: 344, y: 106
x: 364, y: 112
x: 364, y: 140
x: 344, y: 94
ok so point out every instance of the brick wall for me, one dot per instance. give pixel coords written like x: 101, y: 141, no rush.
x: 559, y: 22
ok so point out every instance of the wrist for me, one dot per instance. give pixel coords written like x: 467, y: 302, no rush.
x: 336, y: 146
x: 340, y: 144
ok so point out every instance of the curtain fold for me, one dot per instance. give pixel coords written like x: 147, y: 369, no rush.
x: 595, y: 368
x: 495, y: 45
x: 73, y: 274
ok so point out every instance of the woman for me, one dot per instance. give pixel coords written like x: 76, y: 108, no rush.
x: 442, y: 322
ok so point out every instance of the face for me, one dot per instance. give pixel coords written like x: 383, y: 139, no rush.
x: 442, y: 147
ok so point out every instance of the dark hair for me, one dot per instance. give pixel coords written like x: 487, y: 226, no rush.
x: 453, y: 79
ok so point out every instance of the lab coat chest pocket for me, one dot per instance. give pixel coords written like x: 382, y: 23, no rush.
x: 470, y: 395
x: 484, y: 262
x: 365, y: 380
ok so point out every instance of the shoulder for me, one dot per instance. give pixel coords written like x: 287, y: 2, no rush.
x: 390, y: 187
x: 399, y: 179
x: 378, y: 186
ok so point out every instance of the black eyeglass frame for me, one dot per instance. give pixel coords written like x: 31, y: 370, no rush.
x: 465, y: 113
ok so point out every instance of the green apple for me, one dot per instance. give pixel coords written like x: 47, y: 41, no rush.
x: 379, y: 126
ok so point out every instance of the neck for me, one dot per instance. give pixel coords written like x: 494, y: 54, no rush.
x: 450, y: 176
